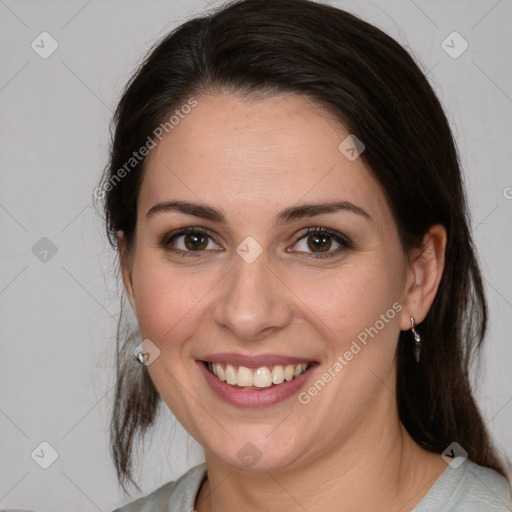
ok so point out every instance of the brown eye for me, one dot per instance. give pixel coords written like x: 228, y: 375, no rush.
x: 319, y: 243
x: 195, y: 241
x: 189, y: 240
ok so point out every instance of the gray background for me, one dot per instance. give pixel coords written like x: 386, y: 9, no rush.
x: 58, y: 315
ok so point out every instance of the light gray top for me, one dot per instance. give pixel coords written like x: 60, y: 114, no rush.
x: 468, y: 488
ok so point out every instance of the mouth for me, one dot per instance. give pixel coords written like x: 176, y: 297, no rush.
x: 261, y: 378
x: 256, y: 380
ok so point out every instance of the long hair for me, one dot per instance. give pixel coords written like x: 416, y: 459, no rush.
x: 377, y: 91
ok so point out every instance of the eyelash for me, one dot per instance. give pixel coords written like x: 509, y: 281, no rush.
x: 345, y: 242
x: 167, y: 239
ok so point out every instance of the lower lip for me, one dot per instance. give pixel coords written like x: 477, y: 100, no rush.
x: 253, y: 397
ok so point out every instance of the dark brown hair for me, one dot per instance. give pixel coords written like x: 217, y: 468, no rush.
x: 377, y: 91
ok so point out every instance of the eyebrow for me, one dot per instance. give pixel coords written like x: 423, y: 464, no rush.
x: 198, y: 210
x: 287, y: 215
x: 310, y: 210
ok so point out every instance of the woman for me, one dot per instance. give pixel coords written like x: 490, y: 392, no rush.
x: 285, y: 195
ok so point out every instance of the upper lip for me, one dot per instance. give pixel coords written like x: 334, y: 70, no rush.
x: 255, y: 361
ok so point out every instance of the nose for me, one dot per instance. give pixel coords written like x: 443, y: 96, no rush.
x: 253, y: 302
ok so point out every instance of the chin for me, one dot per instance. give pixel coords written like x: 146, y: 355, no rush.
x: 257, y: 452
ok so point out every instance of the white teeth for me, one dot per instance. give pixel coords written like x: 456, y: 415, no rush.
x: 289, y: 372
x: 244, y: 376
x: 230, y: 375
x: 260, y: 378
x: 278, y: 374
x: 299, y: 369
x: 220, y: 371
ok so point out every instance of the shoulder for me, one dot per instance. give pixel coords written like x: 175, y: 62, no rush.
x: 176, y: 496
x: 468, y: 488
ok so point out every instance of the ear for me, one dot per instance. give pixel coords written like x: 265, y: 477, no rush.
x: 126, y: 270
x: 426, y: 265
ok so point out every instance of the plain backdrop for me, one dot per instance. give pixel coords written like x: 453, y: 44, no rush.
x: 58, y: 291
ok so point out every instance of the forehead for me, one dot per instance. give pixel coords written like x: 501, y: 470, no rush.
x: 256, y: 155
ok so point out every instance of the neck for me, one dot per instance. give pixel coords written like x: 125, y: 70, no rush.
x: 376, y: 469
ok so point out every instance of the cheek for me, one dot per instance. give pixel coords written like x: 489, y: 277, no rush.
x: 347, y: 301
x: 357, y: 313
x: 168, y: 300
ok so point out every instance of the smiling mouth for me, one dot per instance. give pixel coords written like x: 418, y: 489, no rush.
x: 258, y: 378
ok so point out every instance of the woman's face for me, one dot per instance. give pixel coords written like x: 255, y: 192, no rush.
x: 249, y: 286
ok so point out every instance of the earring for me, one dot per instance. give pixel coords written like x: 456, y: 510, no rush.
x: 417, y: 341
x: 139, y: 356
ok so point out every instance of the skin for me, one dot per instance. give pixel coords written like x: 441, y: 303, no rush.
x: 250, y: 159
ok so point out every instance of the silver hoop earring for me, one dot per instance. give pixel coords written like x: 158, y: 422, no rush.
x: 417, y: 341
